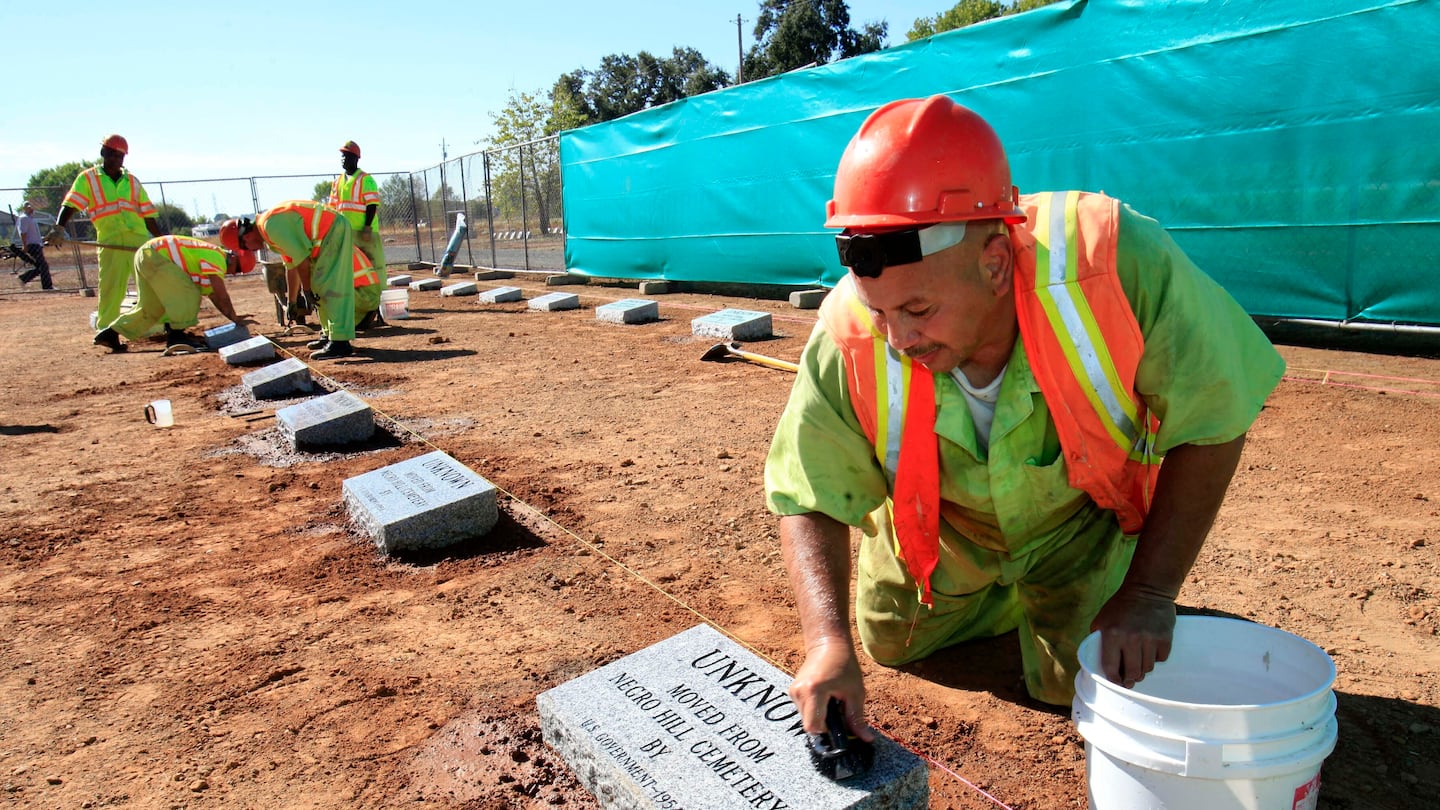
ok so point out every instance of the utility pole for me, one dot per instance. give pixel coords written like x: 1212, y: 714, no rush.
x: 739, y: 53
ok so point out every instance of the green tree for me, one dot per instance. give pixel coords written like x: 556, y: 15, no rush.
x: 173, y: 219
x: 969, y: 12
x: 625, y: 84
x: 524, y: 158
x: 396, y: 204
x: 322, y: 190
x: 792, y: 34
x: 47, y: 187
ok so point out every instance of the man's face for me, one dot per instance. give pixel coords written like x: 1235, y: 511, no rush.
x: 252, y: 240
x: 29, y: 209
x: 946, y: 307
x: 349, y: 162
x: 112, y: 159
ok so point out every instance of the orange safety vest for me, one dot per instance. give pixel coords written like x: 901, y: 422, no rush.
x: 1084, y: 346
x: 318, y: 219
x: 98, y: 206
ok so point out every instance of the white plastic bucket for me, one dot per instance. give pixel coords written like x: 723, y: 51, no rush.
x: 395, y: 305
x: 1239, y: 718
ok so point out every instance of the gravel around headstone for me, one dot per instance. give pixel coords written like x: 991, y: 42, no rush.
x: 701, y: 723
x: 733, y: 324
x: 278, y: 380
x: 427, y: 502
x: 335, y: 419
x: 251, y: 350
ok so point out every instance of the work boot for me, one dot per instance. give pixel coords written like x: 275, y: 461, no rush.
x: 337, y: 348
x: 370, y: 321
x: 318, y: 344
x: 179, y: 337
x: 110, y: 339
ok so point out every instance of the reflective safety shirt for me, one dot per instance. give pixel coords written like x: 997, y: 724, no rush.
x: 201, y: 260
x: 350, y: 195
x: 1205, y: 373
x: 296, y: 228
x: 117, y: 209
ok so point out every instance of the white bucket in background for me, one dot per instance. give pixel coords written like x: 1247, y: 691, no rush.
x: 1239, y: 718
x: 395, y: 304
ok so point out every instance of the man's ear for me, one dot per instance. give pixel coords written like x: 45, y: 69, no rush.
x: 998, y: 262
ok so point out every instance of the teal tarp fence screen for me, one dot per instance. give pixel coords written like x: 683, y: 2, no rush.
x: 1292, y: 147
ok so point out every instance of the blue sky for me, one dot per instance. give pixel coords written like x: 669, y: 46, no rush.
x: 233, y: 89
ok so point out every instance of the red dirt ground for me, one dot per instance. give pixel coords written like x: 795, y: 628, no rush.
x: 190, y: 622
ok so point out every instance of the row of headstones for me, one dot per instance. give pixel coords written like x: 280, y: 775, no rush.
x: 730, y: 324
x: 694, y: 721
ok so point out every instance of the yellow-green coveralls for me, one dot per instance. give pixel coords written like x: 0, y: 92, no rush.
x: 1020, y: 548
x: 171, y: 274
x: 118, y: 211
x: 332, y: 277
x: 351, y: 195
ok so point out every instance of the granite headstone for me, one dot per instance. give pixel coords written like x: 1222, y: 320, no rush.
x: 628, y: 310
x: 554, y: 302
x: 427, y: 502
x: 282, y: 379
x: 338, y: 418
x: 699, y: 722
x: 733, y: 324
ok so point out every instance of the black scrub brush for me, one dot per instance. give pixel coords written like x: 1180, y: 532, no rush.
x: 837, y: 753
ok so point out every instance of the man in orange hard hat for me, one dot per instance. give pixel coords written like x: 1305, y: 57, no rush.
x: 123, y: 218
x: 989, y: 395
x: 316, y: 244
x: 356, y: 195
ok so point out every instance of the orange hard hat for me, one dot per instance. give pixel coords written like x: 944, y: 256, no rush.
x: 918, y: 162
x: 117, y: 143
x: 351, y: 147
x: 246, y: 260
x: 230, y: 235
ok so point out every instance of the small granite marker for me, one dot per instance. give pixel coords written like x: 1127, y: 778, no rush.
x: 463, y: 288
x: 554, y: 302
x: 500, y: 295
x: 222, y: 336
x: 427, y: 284
x: 808, y: 299
x: 629, y: 310
x: 700, y: 723
x: 250, y: 350
x: 428, y: 502
x: 338, y: 418
x: 401, y: 280
x: 733, y: 324
x: 289, y: 376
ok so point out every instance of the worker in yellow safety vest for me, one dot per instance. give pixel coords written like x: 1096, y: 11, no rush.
x: 172, y: 274
x: 988, y: 395
x: 123, y: 217
x: 355, y: 195
x: 315, y: 242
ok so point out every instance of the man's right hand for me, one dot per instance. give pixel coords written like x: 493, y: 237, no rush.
x: 831, y: 669
x: 364, y: 237
x: 55, y: 237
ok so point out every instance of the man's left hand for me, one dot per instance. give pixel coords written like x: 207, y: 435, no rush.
x: 1136, y: 630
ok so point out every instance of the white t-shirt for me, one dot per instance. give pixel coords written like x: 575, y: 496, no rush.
x: 982, y: 403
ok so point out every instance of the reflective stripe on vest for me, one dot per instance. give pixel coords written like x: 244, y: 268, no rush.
x: 1083, y: 344
x: 363, y: 270
x: 196, y: 265
x: 99, y: 206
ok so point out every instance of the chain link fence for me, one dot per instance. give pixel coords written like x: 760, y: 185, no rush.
x: 511, y: 197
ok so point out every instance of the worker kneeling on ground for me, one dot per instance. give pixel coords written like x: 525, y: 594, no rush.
x: 172, y: 274
x: 316, y: 245
x: 988, y: 395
